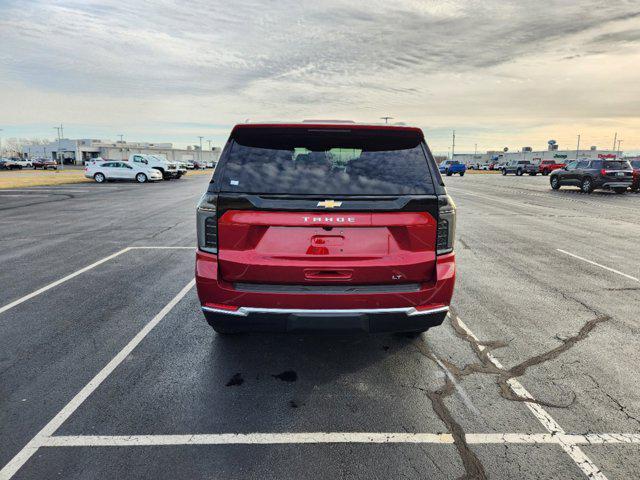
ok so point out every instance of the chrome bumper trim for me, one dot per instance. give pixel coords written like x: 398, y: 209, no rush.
x: 244, y: 311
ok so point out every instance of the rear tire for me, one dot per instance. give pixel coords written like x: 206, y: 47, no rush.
x: 586, y: 186
x: 519, y: 172
x: 141, y: 178
x: 99, y: 177
x: 504, y: 171
x: 555, y: 183
x: 462, y: 174
x: 448, y: 173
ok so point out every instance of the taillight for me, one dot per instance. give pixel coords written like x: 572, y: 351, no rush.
x: 207, y: 223
x: 446, y: 225
x: 603, y: 172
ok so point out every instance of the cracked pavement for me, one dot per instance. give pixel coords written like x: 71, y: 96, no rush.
x: 564, y: 329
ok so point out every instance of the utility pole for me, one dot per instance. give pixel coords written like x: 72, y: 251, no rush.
x: 453, y: 145
x: 1, y: 130
x: 209, y: 142
x: 61, y: 131
x: 475, y: 150
x: 578, y: 148
x: 386, y: 119
x: 619, y: 142
x: 58, y: 151
x: 615, y: 137
x: 121, y: 137
x: 200, y: 153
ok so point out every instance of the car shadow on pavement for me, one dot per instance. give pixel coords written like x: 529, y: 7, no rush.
x: 289, y: 382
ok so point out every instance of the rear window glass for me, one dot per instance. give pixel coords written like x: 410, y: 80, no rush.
x: 326, y: 162
x: 635, y: 163
x: 616, y: 165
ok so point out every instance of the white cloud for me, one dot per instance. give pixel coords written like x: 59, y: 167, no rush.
x: 509, y: 68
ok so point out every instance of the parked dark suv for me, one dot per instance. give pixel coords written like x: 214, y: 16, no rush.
x: 316, y: 226
x: 616, y: 175
x: 520, y: 167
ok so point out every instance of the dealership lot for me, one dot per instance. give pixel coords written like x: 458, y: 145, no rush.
x: 108, y: 370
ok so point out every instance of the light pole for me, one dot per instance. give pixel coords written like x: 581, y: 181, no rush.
x: 453, y: 145
x: 200, y: 152
x: 386, y: 119
x: 1, y: 130
x: 578, y: 148
x: 619, y: 142
x: 121, y: 137
x: 58, y: 151
x: 209, y: 142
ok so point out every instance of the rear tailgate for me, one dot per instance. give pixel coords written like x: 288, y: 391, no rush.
x: 331, y: 249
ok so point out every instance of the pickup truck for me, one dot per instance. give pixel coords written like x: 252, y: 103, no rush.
x: 520, y: 167
x: 168, y: 169
x: 449, y: 167
x: 548, y: 166
x: 44, y: 163
x: 182, y: 166
x: 22, y: 163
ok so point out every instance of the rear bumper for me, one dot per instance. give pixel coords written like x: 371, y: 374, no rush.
x: 300, y: 320
x: 618, y: 184
x: 277, y: 310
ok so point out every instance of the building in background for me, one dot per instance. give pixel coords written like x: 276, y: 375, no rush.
x: 536, y: 156
x: 78, y: 151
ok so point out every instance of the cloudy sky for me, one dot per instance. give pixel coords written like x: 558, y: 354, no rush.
x: 501, y: 73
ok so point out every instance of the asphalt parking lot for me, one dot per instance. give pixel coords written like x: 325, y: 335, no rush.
x: 108, y: 370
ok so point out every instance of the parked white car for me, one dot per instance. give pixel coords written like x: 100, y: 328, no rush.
x: 103, y: 171
x: 24, y: 163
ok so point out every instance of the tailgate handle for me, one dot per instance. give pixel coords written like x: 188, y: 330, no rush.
x: 328, y: 274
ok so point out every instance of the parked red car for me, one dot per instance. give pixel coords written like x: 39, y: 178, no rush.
x: 45, y: 163
x: 325, y: 226
x: 548, y: 166
x: 635, y: 185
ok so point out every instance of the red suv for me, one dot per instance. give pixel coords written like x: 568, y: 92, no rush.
x: 635, y: 185
x: 325, y: 226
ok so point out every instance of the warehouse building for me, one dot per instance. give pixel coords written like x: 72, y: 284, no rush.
x: 78, y: 151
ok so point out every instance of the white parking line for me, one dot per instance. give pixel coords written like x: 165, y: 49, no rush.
x: 575, y: 452
x: 635, y: 279
x: 62, y: 280
x: 35, y: 293
x: 333, y: 437
x: 162, y: 248
x: 49, y: 429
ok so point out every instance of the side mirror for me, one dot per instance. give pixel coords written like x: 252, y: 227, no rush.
x: 146, y: 162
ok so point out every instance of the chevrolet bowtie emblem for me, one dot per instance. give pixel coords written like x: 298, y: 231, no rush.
x: 329, y: 204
